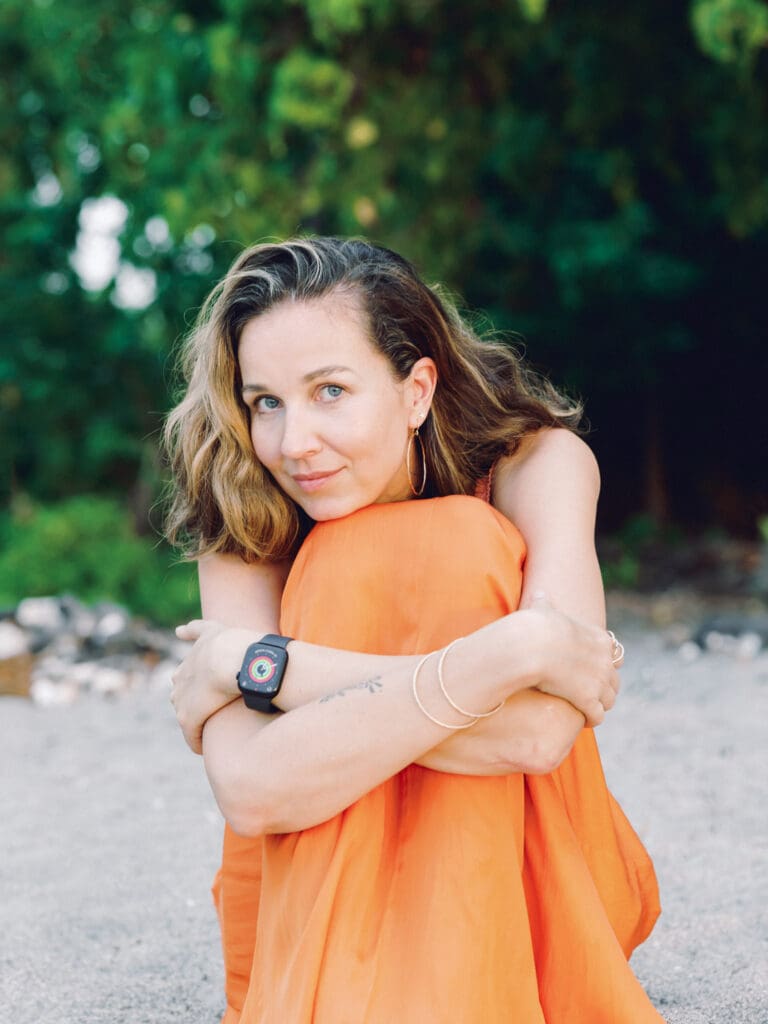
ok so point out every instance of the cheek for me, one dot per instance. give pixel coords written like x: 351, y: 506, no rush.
x: 260, y: 443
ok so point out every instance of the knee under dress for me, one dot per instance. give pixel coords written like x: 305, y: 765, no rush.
x: 435, y: 898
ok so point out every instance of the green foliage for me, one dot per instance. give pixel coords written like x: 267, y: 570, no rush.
x: 534, y: 10
x: 731, y: 31
x: 622, y: 573
x: 584, y: 173
x: 624, y: 554
x: 86, y: 546
x: 309, y: 92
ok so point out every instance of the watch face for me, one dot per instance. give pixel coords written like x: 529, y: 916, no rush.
x: 262, y: 669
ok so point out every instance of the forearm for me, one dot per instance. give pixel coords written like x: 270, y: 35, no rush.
x: 313, y: 762
x: 532, y: 733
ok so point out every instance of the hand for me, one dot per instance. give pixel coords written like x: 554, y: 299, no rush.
x: 205, y: 681
x: 575, y: 661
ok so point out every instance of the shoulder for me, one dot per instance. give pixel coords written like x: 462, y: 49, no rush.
x: 553, y: 457
x: 549, y: 487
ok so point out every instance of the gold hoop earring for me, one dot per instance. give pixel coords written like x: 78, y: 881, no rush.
x: 411, y: 445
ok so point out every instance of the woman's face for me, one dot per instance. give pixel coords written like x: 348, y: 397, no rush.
x: 329, y: 419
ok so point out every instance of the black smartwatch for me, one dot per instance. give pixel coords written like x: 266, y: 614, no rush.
x: 261, y: 674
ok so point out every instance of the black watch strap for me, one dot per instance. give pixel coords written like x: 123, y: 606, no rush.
x: 276, y: 641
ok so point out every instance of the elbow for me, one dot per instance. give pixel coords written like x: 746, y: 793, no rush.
x: 246, y: 821
x: 246, y: 810
x: 250, y: 814
x: 546, y: 756
x: 537, y: 755
x: 247, y: 816
x: 252, y: 819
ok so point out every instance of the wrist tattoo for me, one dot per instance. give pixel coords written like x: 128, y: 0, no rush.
x: 372, y: 685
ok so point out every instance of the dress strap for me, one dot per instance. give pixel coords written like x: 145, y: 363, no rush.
x: 483, y: 485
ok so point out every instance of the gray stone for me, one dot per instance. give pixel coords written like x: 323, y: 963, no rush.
x: 13, y: 641
x: 42, y: 614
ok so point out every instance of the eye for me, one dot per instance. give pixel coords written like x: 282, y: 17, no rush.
x: 266, y: 403
x: 330, y: 392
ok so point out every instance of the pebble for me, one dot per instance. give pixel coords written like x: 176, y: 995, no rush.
x: 56, y: 648
x: 41, y: 613
x: 689, y: 651
x: 13, y: 641
x: 101, y: 650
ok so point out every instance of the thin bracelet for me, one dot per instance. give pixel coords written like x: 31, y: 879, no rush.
x: 454, y: 705
x: 416, y: 697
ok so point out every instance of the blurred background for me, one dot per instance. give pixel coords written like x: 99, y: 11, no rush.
x: 592, y: 176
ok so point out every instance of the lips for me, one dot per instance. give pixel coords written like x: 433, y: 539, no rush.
x: 309, y: 482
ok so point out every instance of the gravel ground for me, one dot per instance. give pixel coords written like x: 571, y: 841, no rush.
x: 110, y: 838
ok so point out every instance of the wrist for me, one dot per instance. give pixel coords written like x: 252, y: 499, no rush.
x: 231, y: 645
x: 515, y: 654
x: 492, y: 662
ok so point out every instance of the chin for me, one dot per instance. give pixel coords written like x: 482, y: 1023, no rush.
x: 324, y: 510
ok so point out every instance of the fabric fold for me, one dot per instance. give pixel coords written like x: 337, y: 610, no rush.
x: 435, y: 897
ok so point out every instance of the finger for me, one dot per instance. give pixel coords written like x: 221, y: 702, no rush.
x: 594, y: 712
x: 192, y: 630
x: 615, y: 681
x: 193, y: 738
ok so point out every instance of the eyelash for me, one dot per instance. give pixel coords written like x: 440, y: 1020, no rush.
x: 263, y: 398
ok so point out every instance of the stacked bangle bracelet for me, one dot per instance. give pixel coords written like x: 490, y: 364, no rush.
x: 475, y: 716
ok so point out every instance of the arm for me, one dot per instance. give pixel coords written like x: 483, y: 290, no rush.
x: 325, y: 754
x: 549, y: 490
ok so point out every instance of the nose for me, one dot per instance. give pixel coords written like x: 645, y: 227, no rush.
x: 299, y: 438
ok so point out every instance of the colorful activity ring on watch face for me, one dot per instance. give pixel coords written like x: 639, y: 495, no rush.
x: 262, y: 669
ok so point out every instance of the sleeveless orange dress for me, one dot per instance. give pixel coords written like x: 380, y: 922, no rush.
x: 435, y: 898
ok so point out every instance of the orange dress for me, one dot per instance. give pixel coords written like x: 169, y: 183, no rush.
x: 435, y: 898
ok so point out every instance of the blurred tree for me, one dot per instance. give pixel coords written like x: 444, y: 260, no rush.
x: 592, y: 176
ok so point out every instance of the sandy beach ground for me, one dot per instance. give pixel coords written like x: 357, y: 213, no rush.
x: 109, y: 840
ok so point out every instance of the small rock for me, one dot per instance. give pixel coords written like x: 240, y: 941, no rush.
x: 49, y: 693
x: 689, y: 651
x: 65, y: 646
x: 748, y: 646
x: 51, y: 666
x: 714, y: 641
x: 13, y: 641
x: 108, y: 681
x: 733, y: 624
x: 112, y: 621
x: 41, y: 613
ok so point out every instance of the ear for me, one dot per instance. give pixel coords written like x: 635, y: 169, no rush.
x: 421, y: 383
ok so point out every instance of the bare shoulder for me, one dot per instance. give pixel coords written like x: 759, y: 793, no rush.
x: 553, y: 455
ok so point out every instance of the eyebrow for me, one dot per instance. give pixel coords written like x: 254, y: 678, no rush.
x: 321, y: 371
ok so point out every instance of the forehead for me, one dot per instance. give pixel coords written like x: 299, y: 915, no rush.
x: 294, y: 335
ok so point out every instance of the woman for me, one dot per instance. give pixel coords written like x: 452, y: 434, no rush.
x: 328, y: 384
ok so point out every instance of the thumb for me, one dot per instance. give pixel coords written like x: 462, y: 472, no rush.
x: 191, y: 630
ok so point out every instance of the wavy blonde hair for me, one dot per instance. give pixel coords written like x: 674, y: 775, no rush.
x: 486, y: 401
